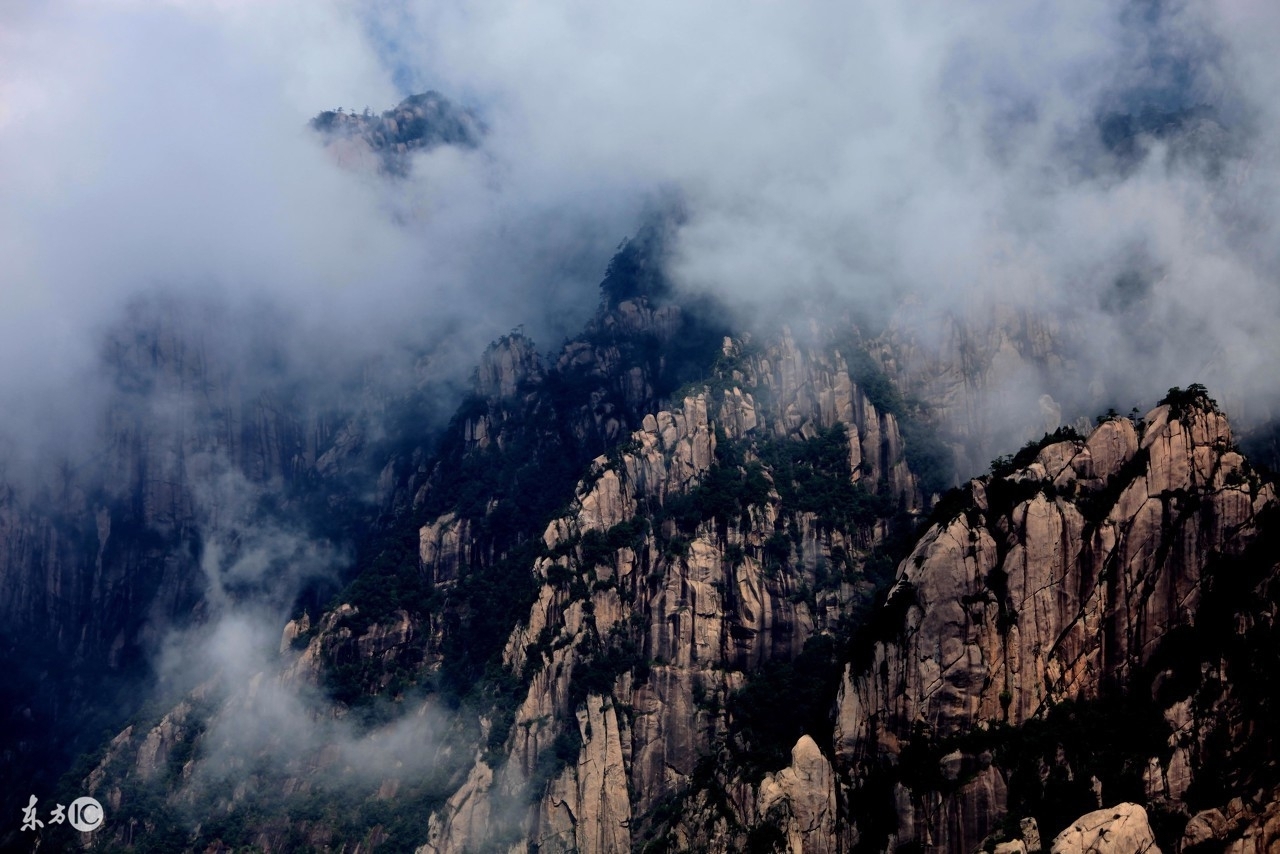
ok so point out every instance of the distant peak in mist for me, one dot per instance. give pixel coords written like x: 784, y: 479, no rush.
x: 418, y: 123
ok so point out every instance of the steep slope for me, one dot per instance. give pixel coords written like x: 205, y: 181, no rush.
x: 727, y: 539
x: 196, y: 446
x: 503, y: 467
x: 1030, y: 661
x: 1046, y: 600
x: 1066, y: 640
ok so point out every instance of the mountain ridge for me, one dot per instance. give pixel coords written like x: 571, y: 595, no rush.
x: 672, y: 587
x: 681, y: 607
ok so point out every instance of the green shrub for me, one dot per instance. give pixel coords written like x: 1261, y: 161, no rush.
x: 1002, y: 467
x: 598, y: 669
x: 871, y: 379
x: 782, y: 701
x: 1194, y: 398
x: 813, y: 476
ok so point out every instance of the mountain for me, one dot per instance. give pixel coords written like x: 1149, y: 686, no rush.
x: 1073, y: 632
x: 418, y: 123
x: 683, y: 586
x: 209, y: 478
x: 216, y: 470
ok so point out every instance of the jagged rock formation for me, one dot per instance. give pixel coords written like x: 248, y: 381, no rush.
x: 1066, y: 580
x: 525, y: 422
x: 1122, y: 828
x: 1059, y: 583
x: 386, y: 141
x: 700, y: 612
x: 697, y: 621
x: 800, y: 800
x: 1045, y: 606
x: 1029, y: 603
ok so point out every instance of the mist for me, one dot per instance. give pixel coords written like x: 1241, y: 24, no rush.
x: 1110, y: 167
x: 161, y: 150
x: 963, y: 155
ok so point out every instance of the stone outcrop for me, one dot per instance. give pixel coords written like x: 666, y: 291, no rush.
x: 1037, y: 603
x: 1122, y: 829
x: 1241, y: 826
x: 800, y: 801
x: 444, y: 547
x: 386, y: 140
x: 154, y: 751
x: 1057, y: 582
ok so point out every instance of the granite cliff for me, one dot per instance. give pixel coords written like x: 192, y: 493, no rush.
x: 1054, y: 643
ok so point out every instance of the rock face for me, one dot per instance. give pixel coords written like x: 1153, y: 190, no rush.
x: 527, y: 425
x: 800, y: 801
x: 1122, y: 829
x: 1058, y: 584
x: 1066, y: 581
x: 1017, y: 604
x: 702, y: 610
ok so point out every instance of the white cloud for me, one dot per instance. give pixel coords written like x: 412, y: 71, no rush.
x: 946, y: 149
x: 951, y: 150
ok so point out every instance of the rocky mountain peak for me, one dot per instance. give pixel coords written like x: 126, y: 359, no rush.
x: 418, y: 123
x: 506, y: 365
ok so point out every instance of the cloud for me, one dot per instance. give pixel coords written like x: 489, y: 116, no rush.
x: 966, y: 153
x: 247, y: 557
x: 258, y: 729
x: 1111, y: 166
x: 163, y: 149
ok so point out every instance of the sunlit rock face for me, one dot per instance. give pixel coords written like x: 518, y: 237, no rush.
x: 702, y: 617
x: 690, y: 579
x: 1057, y: 582
x: 1020, y: 604
x: 1123, y: 827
